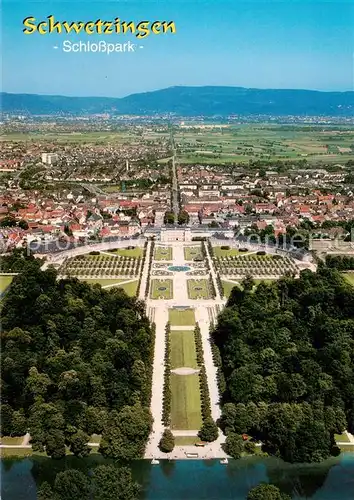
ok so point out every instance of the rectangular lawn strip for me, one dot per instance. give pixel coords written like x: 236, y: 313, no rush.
x: 181, y: 317
x: 347, y: 448
x: 266, y: 281
x: 231, y: 252
x: 15, y: 452
x: 130, y: 288
x: 185, y: 402
x: 227, y: 286
x: 135, y: 252
x: 186, y: 440
x: 349, y: 277
x: 5, y: 281
x: 193, y: 285
x: 11, y: 440
x: 341, y: 438
x: 163, y: 253
x: 104, y: 281
x: 183, y: 351
x: 157, y: 286
x: 191, y: 253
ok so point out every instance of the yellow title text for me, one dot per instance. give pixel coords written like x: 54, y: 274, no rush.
x: 141, y: 29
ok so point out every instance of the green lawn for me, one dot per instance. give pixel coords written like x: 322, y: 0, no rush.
x: 95, y: 438
x: 349, y: 277
x: 181, y: 317
x: 267, y: 282
x: 27, y: 452
x: 135, y: 252
x: 112, y: 189
x: 191, y: 253
x: 11, y: 440
x: 5, y: 281
x: 163, y: 253
x: 129, y: 288
x: 94, y: 257
x: 16, y: 452
x: 198, y: 289
x: 347, y: 448
x: 186, y: 440
x: 343, y: 438
x: 183, y: 349
x: 185, y: 403
x: 161, y: 289
x: 219, y: 252
x: 227, y: 286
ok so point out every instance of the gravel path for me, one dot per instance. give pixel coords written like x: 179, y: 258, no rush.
x: 161, y: 318
x: 144, y: 275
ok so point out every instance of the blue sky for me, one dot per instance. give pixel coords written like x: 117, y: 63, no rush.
x: 264, y: 44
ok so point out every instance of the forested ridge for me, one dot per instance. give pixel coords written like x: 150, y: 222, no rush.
x: 76, y: 360
x: 287, y: 355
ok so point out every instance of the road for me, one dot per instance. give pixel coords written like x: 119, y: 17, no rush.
x: 175, y: 203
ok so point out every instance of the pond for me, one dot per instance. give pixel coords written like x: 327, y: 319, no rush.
x: 178, y: 269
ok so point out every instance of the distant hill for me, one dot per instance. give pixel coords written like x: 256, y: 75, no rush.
x: 190, y: 101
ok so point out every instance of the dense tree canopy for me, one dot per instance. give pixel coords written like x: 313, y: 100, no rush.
x: 106, y: 482
x: 76, y: 360
x: 266, y: 492
x: 287, y: 353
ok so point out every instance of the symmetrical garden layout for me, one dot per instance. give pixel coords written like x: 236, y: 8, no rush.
x: 185, y: 296
x: 114, y: 268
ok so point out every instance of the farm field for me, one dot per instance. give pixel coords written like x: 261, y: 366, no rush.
x: 119, y: 137
x: 245, y: 142
x: 183, y: 353
x: 161, y: 289
x: 198, y: 289
x: 191, y: 253
x: 163, y: 253
x: 5, y: 281
x: 185, y: 402
x: 113, y: 188
x: 181, y: 317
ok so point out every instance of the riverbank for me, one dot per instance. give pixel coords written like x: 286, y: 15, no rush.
x: 196, y: 479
